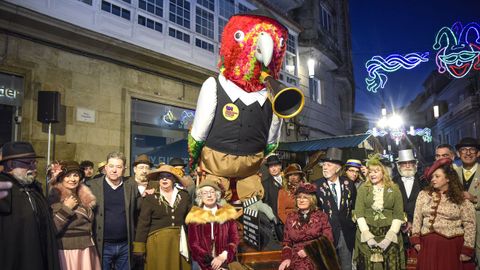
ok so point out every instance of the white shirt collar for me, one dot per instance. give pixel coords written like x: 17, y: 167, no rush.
x: 234, y: 92
x: 278, y: 179
x: 112, y: 185
x: 410, y: 178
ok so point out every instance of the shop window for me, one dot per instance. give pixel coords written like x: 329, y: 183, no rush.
x: 159, y: 130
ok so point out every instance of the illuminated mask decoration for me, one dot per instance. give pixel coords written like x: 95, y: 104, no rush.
x: 378, y: 66
x: 458, y: 49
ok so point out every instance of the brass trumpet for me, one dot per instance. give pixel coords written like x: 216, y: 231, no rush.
x: 287, y: 101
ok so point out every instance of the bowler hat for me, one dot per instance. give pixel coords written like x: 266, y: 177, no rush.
x: 294, y: 168
x: 153, y: 175
x: 466, y: 142
x: 67, y: 167
x: 142, y: 159
x: 176, y: 162
x: 18, y: 150
x: 273, y: 160
x: 333, y: 155
x: 405, y: 155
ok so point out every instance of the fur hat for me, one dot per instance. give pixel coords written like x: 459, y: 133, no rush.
x: 67, y: 167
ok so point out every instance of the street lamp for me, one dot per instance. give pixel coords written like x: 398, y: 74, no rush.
x: 311, y: 67
x: 436, y: 111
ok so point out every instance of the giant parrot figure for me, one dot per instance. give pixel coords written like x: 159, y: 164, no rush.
x: 234, y: 125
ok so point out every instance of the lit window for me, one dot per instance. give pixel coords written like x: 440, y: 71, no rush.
x: 116, y: 10
x: 153, y: 6
x: 204, y: 22
x: 180, y: 12
x: 316, y: 90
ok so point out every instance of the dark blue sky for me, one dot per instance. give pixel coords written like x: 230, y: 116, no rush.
x: 383, y: 27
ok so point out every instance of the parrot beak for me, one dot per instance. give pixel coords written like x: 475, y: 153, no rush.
x: 264, y: 51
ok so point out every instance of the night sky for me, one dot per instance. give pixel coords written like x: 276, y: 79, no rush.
x: 381, y: 27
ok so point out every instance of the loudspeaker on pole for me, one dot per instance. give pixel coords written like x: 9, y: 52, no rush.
x: 48, y: 106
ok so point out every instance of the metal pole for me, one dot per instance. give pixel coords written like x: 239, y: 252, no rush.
x: 48, y: 154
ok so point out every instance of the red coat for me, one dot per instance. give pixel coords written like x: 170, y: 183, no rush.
x: 199, y: 234
x: 296, y: 236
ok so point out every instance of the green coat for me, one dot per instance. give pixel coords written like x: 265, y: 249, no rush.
x: 131, y: 191
x: 394, y: 255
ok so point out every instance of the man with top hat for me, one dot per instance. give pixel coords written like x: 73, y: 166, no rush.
x: 468, y: 149
x: 336, y: 197
x: 27, y: 233
x: 410, y: 185
x: 273, y: 182
x: 352, y: 171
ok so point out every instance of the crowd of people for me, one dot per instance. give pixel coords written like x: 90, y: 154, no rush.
x: 358, y: 215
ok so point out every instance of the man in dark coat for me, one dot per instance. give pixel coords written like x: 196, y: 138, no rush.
x: 27, y: 231
x: 336, y: 197
x: 114, y: 226
x: 272, y: 183
x: 410, y: 185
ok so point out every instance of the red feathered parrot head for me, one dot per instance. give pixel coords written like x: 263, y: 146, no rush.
x: 252, y: 44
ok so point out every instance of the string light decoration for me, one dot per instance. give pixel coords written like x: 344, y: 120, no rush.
x: 398, y: 134
x: 377, y: 66
x: 458, y: 49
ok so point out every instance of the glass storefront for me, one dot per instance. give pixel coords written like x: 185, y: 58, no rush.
x: 160, y: 131
x: 11, y: 98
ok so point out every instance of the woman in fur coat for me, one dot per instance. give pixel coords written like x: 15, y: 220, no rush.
x: 72, y: 204
x: 212, y: 229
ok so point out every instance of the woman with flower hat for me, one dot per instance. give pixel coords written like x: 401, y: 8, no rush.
x: 160, y: 237
x: 379, y: 216
x: 286, y: 196
x: 72, y: 203
x: 444, y: 221
x: 307, y: 235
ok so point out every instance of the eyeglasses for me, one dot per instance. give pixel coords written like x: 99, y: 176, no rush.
x: 469, y: 150
x: 206, y: 193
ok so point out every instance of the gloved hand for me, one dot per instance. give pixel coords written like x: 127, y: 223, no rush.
x: 372, y: 243
x: 384, y: 244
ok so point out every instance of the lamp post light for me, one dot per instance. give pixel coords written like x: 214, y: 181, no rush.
x: 436, y: 111
x: 311, y: 67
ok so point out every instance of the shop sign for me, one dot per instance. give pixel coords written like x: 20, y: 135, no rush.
x: 11, y: 90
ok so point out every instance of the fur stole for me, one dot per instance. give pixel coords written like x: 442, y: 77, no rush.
x: 201, y: 216
x: 58, y: 193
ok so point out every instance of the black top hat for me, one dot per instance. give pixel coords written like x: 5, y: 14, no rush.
x: 273, y: 160
x: 18, y: 150
x: 467, y: 141
x: 333, y: 155
x: 176, y: 162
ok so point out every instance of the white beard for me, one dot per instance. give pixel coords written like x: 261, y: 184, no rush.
x: 24, y: 179
x: 409, y: 173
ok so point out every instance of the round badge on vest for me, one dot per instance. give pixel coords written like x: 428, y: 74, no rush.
x: 230, y: 111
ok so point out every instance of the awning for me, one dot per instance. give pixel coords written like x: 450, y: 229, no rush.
x: 345, y: 141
